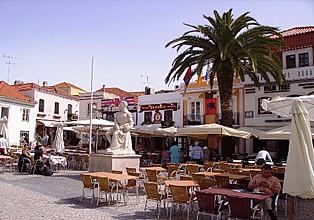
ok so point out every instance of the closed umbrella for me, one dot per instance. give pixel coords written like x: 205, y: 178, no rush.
x: 4, y: 128
x: 58, y: 143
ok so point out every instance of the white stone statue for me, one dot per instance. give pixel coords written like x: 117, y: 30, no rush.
x: 119, y: 136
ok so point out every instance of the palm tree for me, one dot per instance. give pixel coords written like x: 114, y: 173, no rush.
x: 234, y: 48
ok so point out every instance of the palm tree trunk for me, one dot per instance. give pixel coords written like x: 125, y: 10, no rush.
x: 225, y: 84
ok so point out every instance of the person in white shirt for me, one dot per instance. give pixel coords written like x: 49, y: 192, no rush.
x: 261, y: 157
x: 4, y: 146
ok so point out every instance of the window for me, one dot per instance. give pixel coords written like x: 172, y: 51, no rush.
x: 195, y: 111
x: 147, y: 117
x: 168, y: 115
x: 290, y: 60
x: 303, y: 59
x: 249, y: 114
x: 41, y: 105
x: 5, y: 112
x: 69, y: 108
x: 25, y: 116
x: 94, y: 106
x: 56, y: 108
x: 260, y: 108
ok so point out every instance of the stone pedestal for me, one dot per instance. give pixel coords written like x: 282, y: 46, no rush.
x: 107, y: 162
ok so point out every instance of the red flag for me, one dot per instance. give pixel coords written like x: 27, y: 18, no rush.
x: 187, y: 75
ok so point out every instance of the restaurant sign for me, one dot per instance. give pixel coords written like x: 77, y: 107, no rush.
x: 163, y: 106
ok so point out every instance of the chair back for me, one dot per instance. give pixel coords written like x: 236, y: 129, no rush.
x: 208, y: 164
x: 130, y: 170
x: 206, y: 202
x: 117, y: 171
x: 206, y: 183
x: 198, y: 177
x: 192, y: 168
x: 190, y: 162
x: 86, y: 158
x: 240, y: 207
x: 151, y: 189
x: 87, y: 180
x: 185, y: 178
x: 234, y: 171
x: 224, y: 166
x: 254, y: 172
x: 104, y: 184
x: 180, y: 194
x: 152, y: 175
x: 156, y: 165
x: 222, y: 181
x: 77, y: 158
x: 172, y: 171
x: 171, y: 164
x: 218, y: 171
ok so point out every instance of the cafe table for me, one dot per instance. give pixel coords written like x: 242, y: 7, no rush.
x: 187, y: 183
x: 158, y: 169
x: 249, y: 169
x: 117, y: 178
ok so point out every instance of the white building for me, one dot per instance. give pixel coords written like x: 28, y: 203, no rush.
x: 20, y: 112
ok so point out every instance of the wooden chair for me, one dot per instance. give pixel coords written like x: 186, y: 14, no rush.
x: 156, y: 165
x: 206, y: 183
x: 185, y: 178
x: 117, y: 171
x: 85, y: 161
x: 190, y: 162
x: 192, y: 168
x: 77, y: 161
x: 254, y: 172
x: 234, y: 171
x: 224, y: 167
x: 218, y: 171
x: 198, y: 177
x: 181, y: 195
x: 105, y: 186
x: 88, y: 184
x: 154, y: 194
x: 222, y: 181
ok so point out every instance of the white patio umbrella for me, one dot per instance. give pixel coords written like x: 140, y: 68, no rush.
x: 4, y: 128
x: 282, y: 133
x: 95, y: 122
x: 58, y: 143
x: 202, y: 131
x: 299, y: 175
x: 255, y: 132
x: 152, y: 130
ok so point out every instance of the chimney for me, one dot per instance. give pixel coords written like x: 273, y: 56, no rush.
x: 18, y: 82
x: 149, y: 91
x: 45, y: 83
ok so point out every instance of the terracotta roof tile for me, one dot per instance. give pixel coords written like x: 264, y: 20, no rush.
x: 11, y: 92
x: 68, y: 85
x: 295, y: 31
x: 119, y: 92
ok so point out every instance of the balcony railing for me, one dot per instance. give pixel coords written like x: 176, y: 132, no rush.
x: 235, y: 118
x: 198, y: 119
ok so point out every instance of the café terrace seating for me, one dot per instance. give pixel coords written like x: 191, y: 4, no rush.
x: 88, y: 184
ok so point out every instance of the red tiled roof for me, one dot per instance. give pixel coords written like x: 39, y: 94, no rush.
x: 119, y: 92
x: 54, y: 89
x: 295, y: 31
x: 68, y: 85
x: 11, y: 92
x: 137, y: 93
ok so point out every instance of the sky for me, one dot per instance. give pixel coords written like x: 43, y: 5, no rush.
x: 55, y: 40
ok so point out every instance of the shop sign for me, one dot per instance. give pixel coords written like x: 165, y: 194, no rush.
x: 157, y: 118
x: 163, y: 106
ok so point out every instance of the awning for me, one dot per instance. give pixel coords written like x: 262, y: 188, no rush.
x: 47, y: 123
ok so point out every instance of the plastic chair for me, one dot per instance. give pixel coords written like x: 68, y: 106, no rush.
x: 206, y: 183
x: 198, y: 177
x: 222, y: 181
x: 104, y: 186
x: 208, y: 166
x: 172, y: 171
x: 192, y: 168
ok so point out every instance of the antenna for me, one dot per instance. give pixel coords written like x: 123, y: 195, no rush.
x: 9, y: 63
x: 147, y: 80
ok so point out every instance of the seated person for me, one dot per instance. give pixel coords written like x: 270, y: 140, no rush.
x: 39, y: 156
x: 261, y: 157
x: 25, y: 158
x: 269, y: 184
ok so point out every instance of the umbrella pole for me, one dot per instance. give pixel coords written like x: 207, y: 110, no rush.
x: 291, y: 209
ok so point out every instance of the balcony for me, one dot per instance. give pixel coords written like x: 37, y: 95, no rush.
x: 193, y: 119
x: 235, y: 118
x: 198, y: 119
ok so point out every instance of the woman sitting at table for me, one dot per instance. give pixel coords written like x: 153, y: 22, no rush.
x: 25, y: 159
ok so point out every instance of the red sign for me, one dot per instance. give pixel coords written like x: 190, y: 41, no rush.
x: 157, y: 118
x: 211, y: 107
x: 172, y: 106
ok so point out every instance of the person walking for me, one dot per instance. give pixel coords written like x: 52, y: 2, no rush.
x: 197, y: 153
x: 261, y: 157
x: 175, y: 153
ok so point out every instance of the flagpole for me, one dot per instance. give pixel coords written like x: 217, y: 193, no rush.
x: 91, y: 108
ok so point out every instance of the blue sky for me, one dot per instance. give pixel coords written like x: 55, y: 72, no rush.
x: 54, y: 40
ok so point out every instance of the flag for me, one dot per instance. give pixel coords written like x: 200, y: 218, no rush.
x: 207, y: 73
x: 110, y: 102
x: 199, y: 79
x: 129, y: 100
x: 187, y: 75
